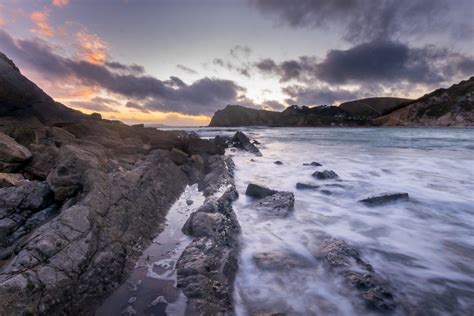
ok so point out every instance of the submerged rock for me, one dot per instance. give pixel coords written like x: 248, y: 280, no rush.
x: 278, y: 162
x: 279, y: 260
x: 385, y: 199
x: 325, y: 175
x: 340, y: 258
x: 258, y: 191
x: 313, y: 163
x: 241, y: 140
x: 306, y: 186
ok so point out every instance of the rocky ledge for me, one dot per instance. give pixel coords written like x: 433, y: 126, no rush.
x: 80, y: 196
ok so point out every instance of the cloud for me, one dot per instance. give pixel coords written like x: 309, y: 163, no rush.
x: 240, y: 51
x: 378, y: 61
x: 273, y: 105
x: 60, y: 3
x: 91, y: 47
x: 96, y: 104
x: 201, y: 97
x: 362, y: 20
x: 319, y: 95
x: 187, y: 69
x: 42, y: 27
x: 130, y: 69
x: 136, y: 106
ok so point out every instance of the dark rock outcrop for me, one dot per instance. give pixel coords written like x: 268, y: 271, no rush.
x: 94, y: 192
x: 385, y: 199
x: 207, y: 267
x: 325, y: 175
x: 240, y: 140
x: 258, y: 191
x: 313, y: 163
x: 306, y: 186
x: 344, y: 260
x: 279, y: 204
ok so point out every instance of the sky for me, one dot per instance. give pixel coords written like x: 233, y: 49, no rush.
x: 177, y: 62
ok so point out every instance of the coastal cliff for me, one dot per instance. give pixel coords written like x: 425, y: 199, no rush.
x: 451, y: 107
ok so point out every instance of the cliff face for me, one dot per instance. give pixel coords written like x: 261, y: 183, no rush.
x: 78, y: 194
x: 451, y: 107
x: 444, y: 107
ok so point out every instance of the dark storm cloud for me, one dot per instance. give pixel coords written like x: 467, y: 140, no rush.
x: 378, y: 61
x: 97, y: 104
x: 318, y: 95
x: 187, y: 69
x: 202, y: 97
x: 363, y: 20
x: 132, y: 69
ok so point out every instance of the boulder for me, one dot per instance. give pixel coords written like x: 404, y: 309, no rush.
x: 44, y: 160
x: 278, y: 162
x: 12, y: 154
x: 241, y: 140
x: 385, y: 199
x: 258, y: 191
x: 306, y: 186
x: 325, y: 175
x: 10, y: 179
x: 279, y: 204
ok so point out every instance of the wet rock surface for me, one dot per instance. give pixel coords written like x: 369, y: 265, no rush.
x: 207, y: 267
x: 306, y: 186
x: 280, y: 260
x: 385, y: 199
x: 279, y: 204
x: 325, y: 175
x: 94, y: 193
x: 313, y: 164
x: 344, y: 260
x: 258, y: 191
x: 240, y: 140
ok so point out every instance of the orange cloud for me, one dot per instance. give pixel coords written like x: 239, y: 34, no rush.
x: 91, y: 47
x: 42, y: 27
x: 60, y: 3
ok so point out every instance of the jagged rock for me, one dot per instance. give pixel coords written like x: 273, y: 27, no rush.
x: 241, y: 140
x: 340, y: 258
x: 43, y: 161
x: 280, y: 260
x: 279, y: 204
x: 313, y: 163
x: 67, y: 178
x: 12, y: 154
x: 305, y: 186
x: 325, y: 175
x: 385, y: 199
x: 258, y: 191
x: 11, y: 179
x: 178, y: 156
x: 207, y: 267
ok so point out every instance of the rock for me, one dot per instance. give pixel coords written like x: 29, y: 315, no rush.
x: 67, y: 178
x: 305, y: 186
x: 280, y: 260
x: 278, y: 162
x: 279, y: 204
x: 189, y: 202
x: 326, y: 192
x: 216, y: 225
x: 325, y: 175
x: 385, y: 199
x: 12, y: 154
x: 179, y: 157
x: 258, y: 191
x: 340, y: 258
x: 314, y: 164
x: 44, y: 160
x: 10, y: 179
x: 241, y: 140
